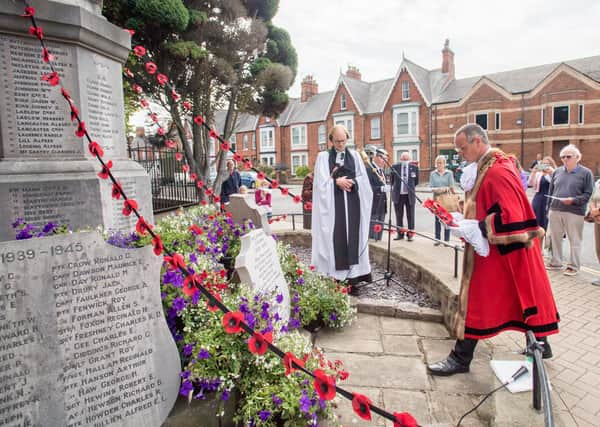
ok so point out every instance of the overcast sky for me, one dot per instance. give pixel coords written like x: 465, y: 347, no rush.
x: 486, y: 36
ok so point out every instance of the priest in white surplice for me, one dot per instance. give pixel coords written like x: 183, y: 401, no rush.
x: 341, y: 211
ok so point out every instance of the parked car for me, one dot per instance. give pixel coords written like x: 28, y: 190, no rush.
x: 248, y: 179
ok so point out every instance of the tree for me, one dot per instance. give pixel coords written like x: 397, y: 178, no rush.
x: 218, y: 55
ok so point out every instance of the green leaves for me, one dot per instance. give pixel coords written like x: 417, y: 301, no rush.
x: 185, y: 50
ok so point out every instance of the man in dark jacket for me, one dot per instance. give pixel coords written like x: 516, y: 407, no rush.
x: 379, y: 187
x: 403, y: 194
x: 232, y: 184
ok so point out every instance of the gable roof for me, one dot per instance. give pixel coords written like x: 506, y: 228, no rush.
x: 313, y: 110
x: 245, y: 122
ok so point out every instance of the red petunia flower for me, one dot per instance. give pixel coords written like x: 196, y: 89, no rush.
x: 185, y: 168
x: 187, y: 106
x: 157, y: 245
x: 196, y: 230
x: 142, y: 227
x: 237, y: 157
x: 95, y: 149
x: 404, y: 419
x: 144, y: 103
x: 128, y: 206
x: 297, y: 199
x: 104, y: 173
x: 377, y: 228
x: 117, y: 191
x: 308, y: 206
x: 47, y: 56
x: 29, y: 12
x: 324, y: 385
x: 175, y: 262
x: 178, y: 157
x: 260, y: 175
x: 274, y: 183
x: 232, y: 322
x: 169, y: 143
x: 137, y: 88
x: 36, y: 31
x: 80, y: 132
x: 139, y: 51
x: 161, y: 79
x: 259, y: 343
x: 199, y: 120
x: 225, y: 146
x: 211, y: 302
x: 174, y: 95
x: 213, y: 134
x: 362, y: 406
x: 150, y: 67
x: 284, y: 191
x: 291, y: 363
x: 51, y: 78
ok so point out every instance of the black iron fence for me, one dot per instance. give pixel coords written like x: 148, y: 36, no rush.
x: 171, y: 187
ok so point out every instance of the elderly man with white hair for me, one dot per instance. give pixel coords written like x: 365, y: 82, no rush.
x: 570, y: 190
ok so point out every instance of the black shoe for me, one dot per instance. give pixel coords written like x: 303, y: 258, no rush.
x: 399, y: 237
x: 447, y: 367
x: 410, y: 238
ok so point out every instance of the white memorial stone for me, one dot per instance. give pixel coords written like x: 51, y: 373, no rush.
x: 83, y: 338
x: 243, y: 207
x: 258, y: 265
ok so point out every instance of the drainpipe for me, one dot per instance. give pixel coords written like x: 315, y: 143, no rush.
x: 430, y: 138
x: 522, y: 128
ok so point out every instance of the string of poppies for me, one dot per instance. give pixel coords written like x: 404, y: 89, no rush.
x: 233, y: 322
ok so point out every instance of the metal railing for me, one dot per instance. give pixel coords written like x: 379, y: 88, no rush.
x: 171, y: 188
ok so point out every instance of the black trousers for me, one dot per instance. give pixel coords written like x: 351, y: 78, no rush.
x: 403, y: 202
x: 464, y: 349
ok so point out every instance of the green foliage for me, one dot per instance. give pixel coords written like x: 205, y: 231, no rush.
x: 259, y: 65
x: 266, y: 169
x: 169, y: 14
x: 263, y: 9
x: 302, y: 171
x: 185, y: 50
x: 281, y: 50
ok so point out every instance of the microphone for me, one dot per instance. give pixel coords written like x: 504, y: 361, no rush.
x: 342, y: 154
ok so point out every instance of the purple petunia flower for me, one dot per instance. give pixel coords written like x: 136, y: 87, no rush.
x: 300, y: 280
x: 187, y: 349
x: 333, y: 317
x: 276, y: 400
x: 296, y: 298
x: 203, y: 354
x: 264, y: 414
x: 48, y: 228
x: 225, y: 395
x: 193, y: 258
x: 18, y: 222
x: 23, y: 234
x: 279, y: 298
x: 304, y: 402
x: 294, y: 324
x: 179, y: 303
x: 284, y: 329
x: 186, y: 388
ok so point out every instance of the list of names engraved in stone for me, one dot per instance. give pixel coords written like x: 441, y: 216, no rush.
x: 35, y: 118
x: 42, y: 203
x: 103, y: 106
x: 123, y: 222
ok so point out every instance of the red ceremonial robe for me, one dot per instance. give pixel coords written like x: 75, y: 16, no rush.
x: 509, y: 289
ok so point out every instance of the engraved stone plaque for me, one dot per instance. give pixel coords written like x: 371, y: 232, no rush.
x: 258, y: 265
x: 83, y: 339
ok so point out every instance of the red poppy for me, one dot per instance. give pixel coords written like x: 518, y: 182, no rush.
x: 117, y: 191
x: 161, y: 79
x: 213, y: 134
x: 157, y: 245
x: 284, y: 191
x: 324, y: 385
x: 211, y: 302
x: 248, y: 164
x: 297, y: 199
x: 308, y: 206
x: 153, y: 117
x: 191, y: 280
x: 160, y: 131
x: 36, y: 31
x: 139, y: 50
x: 65, y: 94
x: 137, y: 88
x: 199, y: 184
x: 222, y: 273
x: 130, y: 31
x: 196, y: 230
x: 74, y: 112
x: 128, y: 206
x: 232, y: 322
x: 144, y: 103
x: 187, y: 106
x: 29, y: 12
x: 291, y: 363
x: 142, y: 227
x: 199, y: 120
x: 193, y: 176
x: 237, y: 157
x: 344, y: 375
x: 190, y: 290
x: 150, y: 67
x: 80, y: 129
x: 103, y: 174
x: 95, y: 149
x: 362, y: 406
x: 178, y: 157
x: 259, y: 343
x: 274, y: 183
x: 209, y: 191
x: 203, y: 202
x: 217, y: 199
x: 128, y: 72
x: 377, y: 228
x: 51, y: 78
x: 312, y: 267
x: 175, y: 262
x: 260, y: 175
x: 185, y: 168
x: 46, y: 56
x: 174, y: 95
x: 170, y: 143
x: 404, y: 419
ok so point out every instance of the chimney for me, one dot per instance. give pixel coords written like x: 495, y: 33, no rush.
x: 448, y: 60
x: 353, y: 72
x: 309, y: 88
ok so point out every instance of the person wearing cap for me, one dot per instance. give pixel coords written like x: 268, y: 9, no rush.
x: 375, y: 171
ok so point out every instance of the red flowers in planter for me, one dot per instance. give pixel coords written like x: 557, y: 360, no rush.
x: 157, y: 245
x: 95, y: 149
x: 174, y: 95
x: 259, y: 343
x: 324, y: 385
x: 404, y: 419
x: 128, y: 206
x: 196, y: 230
x: 103, y: 174
x: 51, y: 78
x: 80, y: 129
x: 232, y: 322
x: 190, y: 284
x: 193, y: 176
x: 289, y: 360
x: 362, y: 406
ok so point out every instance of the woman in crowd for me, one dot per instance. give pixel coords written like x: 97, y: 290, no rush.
x: 539, y: 179
x: 441, y: 182
x: 262, y: 197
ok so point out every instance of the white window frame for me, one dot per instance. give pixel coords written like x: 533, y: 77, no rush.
x: 405, y: 90
x: 245, y: 142
x: 271, y: 145
x: 487, y: 119
x: 378, y: 128
x: 413, y: 149
x: 253, y: 141
x: 302, y: 156
x: 301, y: 143
x: 343, y: 102
x: 267, y: 159
x: 348, y: 122
x: 412, y: 125
x: 568, y: 114
x: 322, y: 134
x: 498, y: 120
x: 543, y: 117
x: 581, y: 114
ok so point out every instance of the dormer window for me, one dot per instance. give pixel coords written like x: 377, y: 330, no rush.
x: 405, y: 90
x: 343, y: 102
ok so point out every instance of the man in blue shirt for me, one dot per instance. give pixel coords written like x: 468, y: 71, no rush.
x: 232, y: 184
